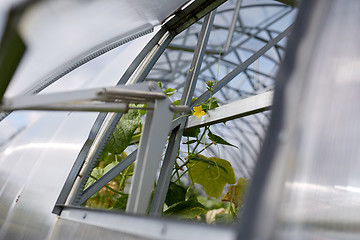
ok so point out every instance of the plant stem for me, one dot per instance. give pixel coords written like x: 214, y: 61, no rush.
x: 205, y: 148
x: 188, y: 145
x: 123, y: 178
x: 199, y: 140
x: 177, y: 169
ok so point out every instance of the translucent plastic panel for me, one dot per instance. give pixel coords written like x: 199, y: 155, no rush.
x: 312, y: 150
x: 321, y: 198
x: 59, y: 33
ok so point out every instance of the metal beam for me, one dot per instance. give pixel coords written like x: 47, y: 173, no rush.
x: 233, y: 24
x: 112, y: 173
x: 97, y: 99
x: 243, y: 66
x: 146, y: 227
x: 237, y: 109
x: 176, y: 134
x: 153, y: 139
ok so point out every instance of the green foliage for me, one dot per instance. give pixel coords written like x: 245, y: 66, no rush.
x: 209, y: 104
x: 170, y: 91
x: 293, y: 3
x: 187, y: 209
x: 111, y: 195
x: 95, y: 175
x: 190, y: 142
x: 121, y: 136
x: 192, y: 132
x: 212, y: 203
x: 212, y: 173
x: 210, y: 85
x: 218, y: 140
x: 175, y: 194
x: 120, y: 203
x: 236, y: 193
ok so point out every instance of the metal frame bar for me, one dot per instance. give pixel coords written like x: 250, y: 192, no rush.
x: 232, y: 25
x: 109, y: 126
x: 243, y: 66
x: 112, y: 173
x: 146, y: 227
x: 176, y: 134
x: 149, y: 155
x: 237, y: 109
x: 98, y: 99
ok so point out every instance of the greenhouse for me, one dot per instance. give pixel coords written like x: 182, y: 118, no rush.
x: 181, y: 119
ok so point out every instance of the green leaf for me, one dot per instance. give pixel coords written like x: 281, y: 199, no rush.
x: 236, y: 193
x: 207, y: 106
x: 209, y: 85
x: 293, y: 3
x: 219, y: 140
x: 212, y: 173
x: 192, y: 132
x: 142, y: 111
x: 110, y: 166
x: 190, y: 142
x: 201, y: 158
x: 121, y: 136
x: 95, y: 174
x: 186, y: 209
x: 135, y: 138
x: 107, y: 158
x: 212, y: 203
x: 177, y: 102
x: 170, y: 91
x: 175, y: 194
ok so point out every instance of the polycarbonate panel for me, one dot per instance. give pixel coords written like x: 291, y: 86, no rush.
x: 60, y: 33
x: 309, y: 169
x: 33, y: 168
x: 321, y: 198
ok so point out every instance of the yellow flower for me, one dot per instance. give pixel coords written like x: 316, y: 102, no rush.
x: 198, y: 111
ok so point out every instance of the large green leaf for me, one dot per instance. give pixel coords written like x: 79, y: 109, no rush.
x: 186, y: 209
x: 121, y: 136
x: 236, y: 193
x: 212, y: 173
x: 175, y: 194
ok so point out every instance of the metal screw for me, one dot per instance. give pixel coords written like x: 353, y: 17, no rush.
x: 163, y: 230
